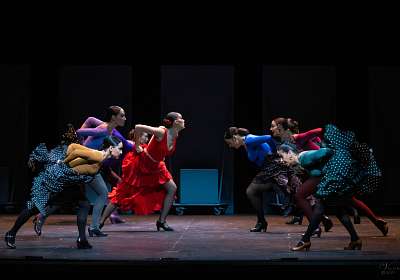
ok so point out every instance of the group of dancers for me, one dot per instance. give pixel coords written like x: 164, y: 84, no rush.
x: 315, y: 169
x: 79, y: 163
x: 324, y: 166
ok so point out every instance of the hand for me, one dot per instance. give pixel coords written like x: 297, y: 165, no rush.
x: 139, y: 149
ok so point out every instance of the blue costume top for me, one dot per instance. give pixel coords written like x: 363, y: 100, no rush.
x: 258, y: 147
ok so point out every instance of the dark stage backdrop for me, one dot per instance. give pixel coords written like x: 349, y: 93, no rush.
x: 15, y: 90
x: 305, y: 93
x: 383, y: 108
x: 85, y: 91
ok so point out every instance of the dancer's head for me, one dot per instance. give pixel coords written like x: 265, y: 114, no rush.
x: 234, y: 137
x: 69, y: 136
x: 112, y: 145
x: 288, y: 154
x: 279, y: 126
x: 116, y: 115
x: 144, y: 137
x: 174, y: 120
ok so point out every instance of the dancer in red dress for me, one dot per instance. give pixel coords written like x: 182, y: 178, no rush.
x: 147, y: 185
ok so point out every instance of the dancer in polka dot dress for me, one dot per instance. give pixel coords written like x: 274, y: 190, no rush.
x: 349, y: 169
x: 66, y: 164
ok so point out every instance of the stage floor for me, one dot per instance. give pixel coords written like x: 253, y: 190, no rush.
x: 198, y: 238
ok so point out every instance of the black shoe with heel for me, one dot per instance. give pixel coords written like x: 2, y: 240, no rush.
x: 96, y: 232
x: 10, y: 240
x: 260, y: 226
x: 164, y: 226
x: 38, y: 224
x: 302, y: 245
x: 382, y: 226
x: 354, y: 245
x: 83, y: 244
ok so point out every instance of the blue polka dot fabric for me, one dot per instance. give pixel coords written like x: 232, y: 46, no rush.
x: 351, y: 169
x: 53, y: 177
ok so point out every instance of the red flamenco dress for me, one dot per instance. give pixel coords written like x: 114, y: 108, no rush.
x: 143, y: 175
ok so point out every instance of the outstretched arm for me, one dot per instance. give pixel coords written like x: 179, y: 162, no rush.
x: 304, y: 137
x: 256, y: 140
x: 98, y: 131
x: 91, y: 122
x: 126, y: 145
x: 310, y: 158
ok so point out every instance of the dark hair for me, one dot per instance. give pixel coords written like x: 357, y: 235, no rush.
x: 288, y: 147
x: 282, y: 121
x: 69, y: 136
x: 111, y: 111
x: 110, y: 141
x: 293, y: 125
x: 235, y: 131
x: 131, y: 134
x: 169, y: 119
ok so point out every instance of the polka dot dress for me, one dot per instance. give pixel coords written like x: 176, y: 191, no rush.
x: 351, y: 169
x: 53, y: 177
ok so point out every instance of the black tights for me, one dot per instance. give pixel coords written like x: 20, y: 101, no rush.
x: 341, y: 214
x: 26, y: 214
x: 23, y: 217
x: 254, y: 193
x: 81, y: 218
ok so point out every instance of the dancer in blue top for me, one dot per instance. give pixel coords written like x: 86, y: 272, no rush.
x: 273, y: 173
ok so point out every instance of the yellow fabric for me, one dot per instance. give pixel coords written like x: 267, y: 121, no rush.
x: 87, y: 169
x: 83, y: 159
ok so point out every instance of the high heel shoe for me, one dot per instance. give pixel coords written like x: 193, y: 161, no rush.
x: 354, y: 245
x: 316, y: 232
x: 164, y: 226
x: 38, y: 224
x: 10, y: 240
x: 260, y: 226
x: 295, y: 220
x: 382, y: 226
x: 83, y: 244
x: 96, y: 232
x: 301, y: 246
x: 327, y: 223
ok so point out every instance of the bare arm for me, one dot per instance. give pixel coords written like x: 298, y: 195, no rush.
x: 157, y: 132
